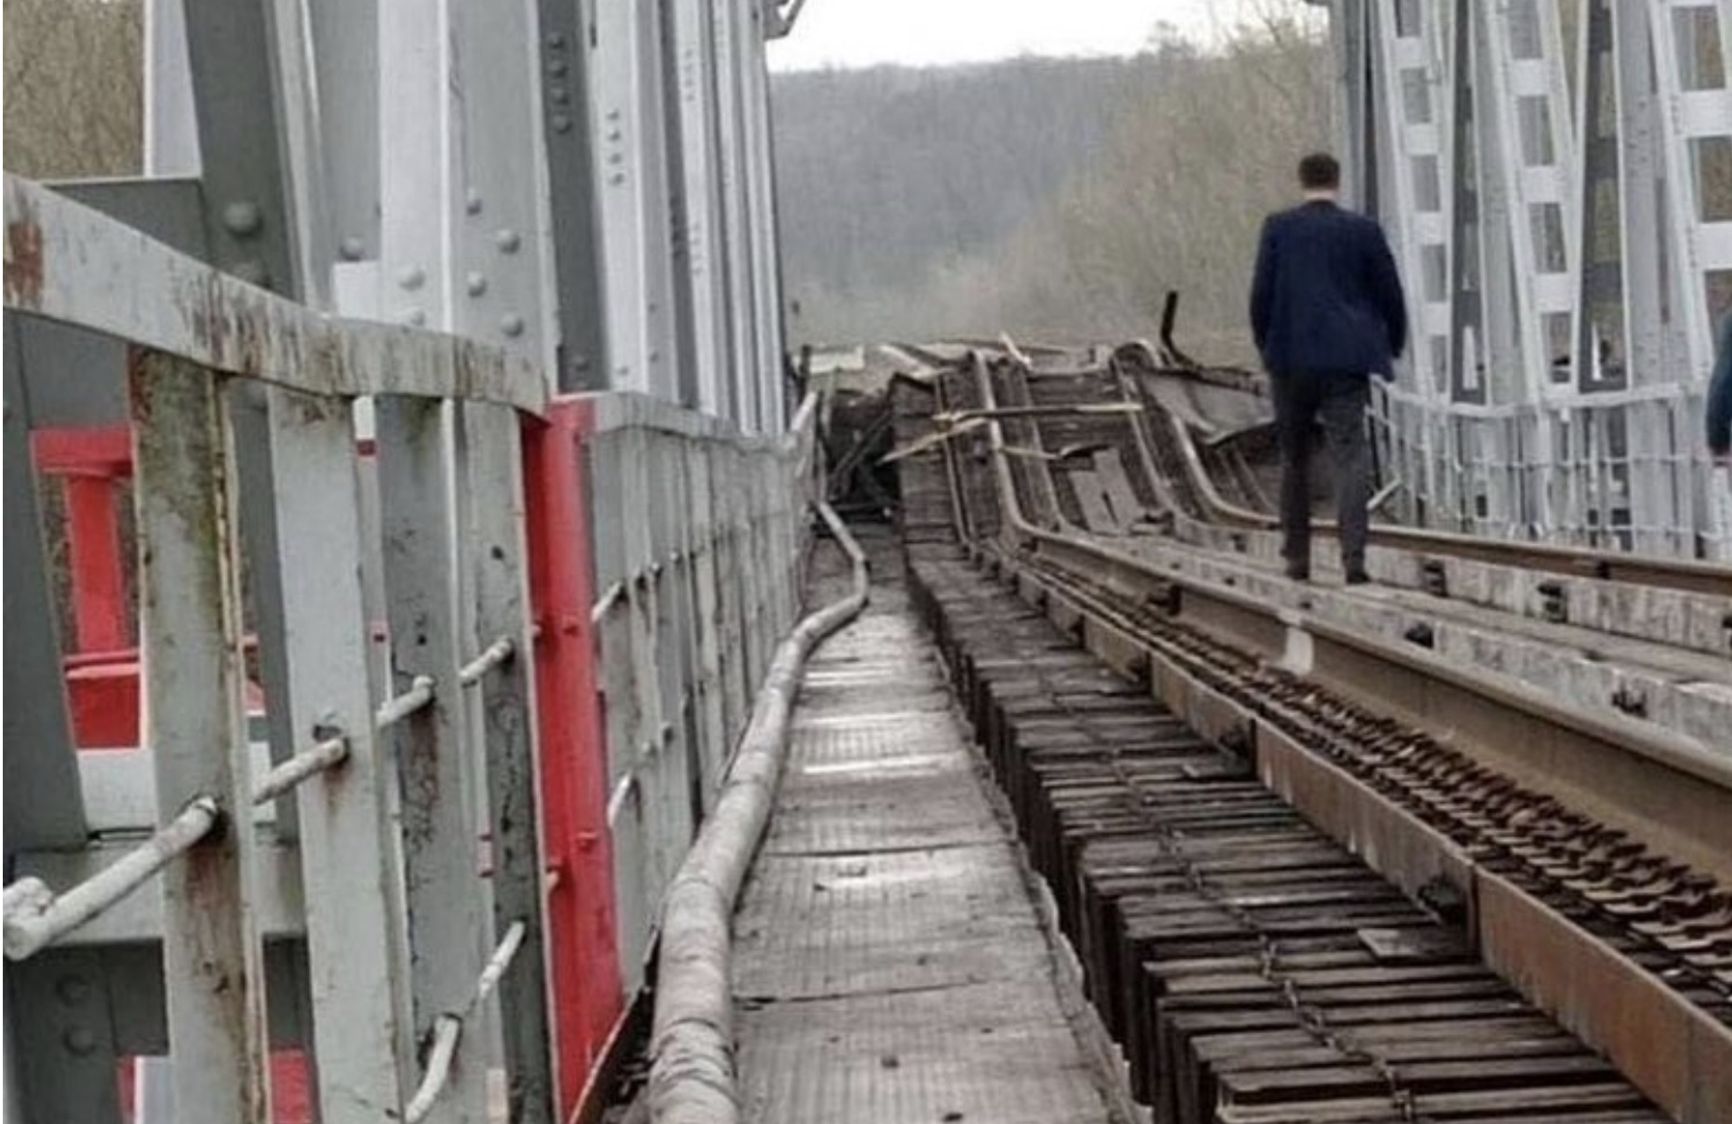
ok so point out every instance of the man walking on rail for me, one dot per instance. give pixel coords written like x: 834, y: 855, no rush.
x: 1327, y: 312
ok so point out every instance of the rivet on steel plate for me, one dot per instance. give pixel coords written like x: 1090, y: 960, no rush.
x: 73, y: 989
x: 415, y: 316
x: 352, y: 248
x: 472, y: 204
x: 243, y: 218
x: 511, y: 324
x: 411, y: 277
x: 507, y: 240
x: 475, y: 284
x: 559, y: 95
x: 79, y: 1040
x: 556, y: 67
x: 561, y: 123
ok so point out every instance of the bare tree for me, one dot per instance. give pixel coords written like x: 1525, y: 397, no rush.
x: 1058, y: 199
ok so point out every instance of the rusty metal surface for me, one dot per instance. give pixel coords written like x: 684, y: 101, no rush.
x: 888, y: 964
x: 1402, y: 848
x: 1251, y: 969
x: 1426, y: 814
x: 1671, y: 1048
x: 67, y: 262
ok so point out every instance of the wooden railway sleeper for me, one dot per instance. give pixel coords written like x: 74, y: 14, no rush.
x: 1311, y: 1017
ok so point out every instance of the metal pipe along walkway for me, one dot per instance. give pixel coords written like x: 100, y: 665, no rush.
x: 889, y: 963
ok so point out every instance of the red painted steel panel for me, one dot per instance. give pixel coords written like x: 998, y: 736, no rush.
x: 588, y: 999
x: 99, y: 610
x: 89, y: 461
x: 103, y: 699
x: 97, y: 450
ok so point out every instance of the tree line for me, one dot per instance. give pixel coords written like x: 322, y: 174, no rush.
x: 1056, y: 199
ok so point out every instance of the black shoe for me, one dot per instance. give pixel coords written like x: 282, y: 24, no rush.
x: 1358, y: 577
x: 1298, y: 572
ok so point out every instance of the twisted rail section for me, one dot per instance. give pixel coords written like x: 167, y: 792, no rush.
x: 692, y: 1040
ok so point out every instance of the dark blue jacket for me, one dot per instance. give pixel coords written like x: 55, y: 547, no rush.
x: 1720, y: 393
x: 1326, y: 298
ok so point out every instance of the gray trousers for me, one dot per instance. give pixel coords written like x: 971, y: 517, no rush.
x: 1338, y: 403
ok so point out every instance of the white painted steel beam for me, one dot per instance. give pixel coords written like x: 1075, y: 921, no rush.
x: 445, y: 901
x: 72, y: 264
x: 194, y: 718
x: 355, y: 926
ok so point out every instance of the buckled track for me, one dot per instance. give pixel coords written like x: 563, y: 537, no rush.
x: 1252, y: 969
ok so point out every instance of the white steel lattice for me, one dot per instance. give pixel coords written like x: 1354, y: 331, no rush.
x: 1556, y: 179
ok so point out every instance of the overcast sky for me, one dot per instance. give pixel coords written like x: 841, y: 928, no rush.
x: 932, y: 32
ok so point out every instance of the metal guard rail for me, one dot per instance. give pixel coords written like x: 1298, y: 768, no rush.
x: 190, y: 331
x: 69, y: 262
x: 1687, y: 574
x: 36, y: 916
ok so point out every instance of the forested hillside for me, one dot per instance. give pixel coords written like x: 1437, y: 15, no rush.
x: 1050, y: 198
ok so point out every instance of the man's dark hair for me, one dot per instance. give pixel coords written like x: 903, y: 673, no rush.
x: 1319, y: 172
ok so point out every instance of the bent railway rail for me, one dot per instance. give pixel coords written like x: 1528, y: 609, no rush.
x: 1199, y: 493
x: 1584, y: 856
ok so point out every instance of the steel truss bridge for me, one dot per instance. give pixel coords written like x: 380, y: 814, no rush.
x: 409, y: 500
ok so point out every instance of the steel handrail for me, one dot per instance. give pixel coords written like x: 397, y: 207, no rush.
x: 36, y: 916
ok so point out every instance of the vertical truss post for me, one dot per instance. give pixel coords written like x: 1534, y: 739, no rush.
x: 349, y: 870
x: 564, y: 66
x: 642, y: 741
x: 195, y: 722
x: 701, y: 201
x: 1531, y: 142
x: 1694, y: 113
x: 724, y: 507
x: 709, y: 696
x: 448, y: 926
x: 494, y: 541
x: 736, y: 214
x: 418, y: 165
x: 766, y: 370
x: 44, y: 799
x: 582, y: 942
x: 1410, y: 197
x: 628, y: 82
x: 500, y: 243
